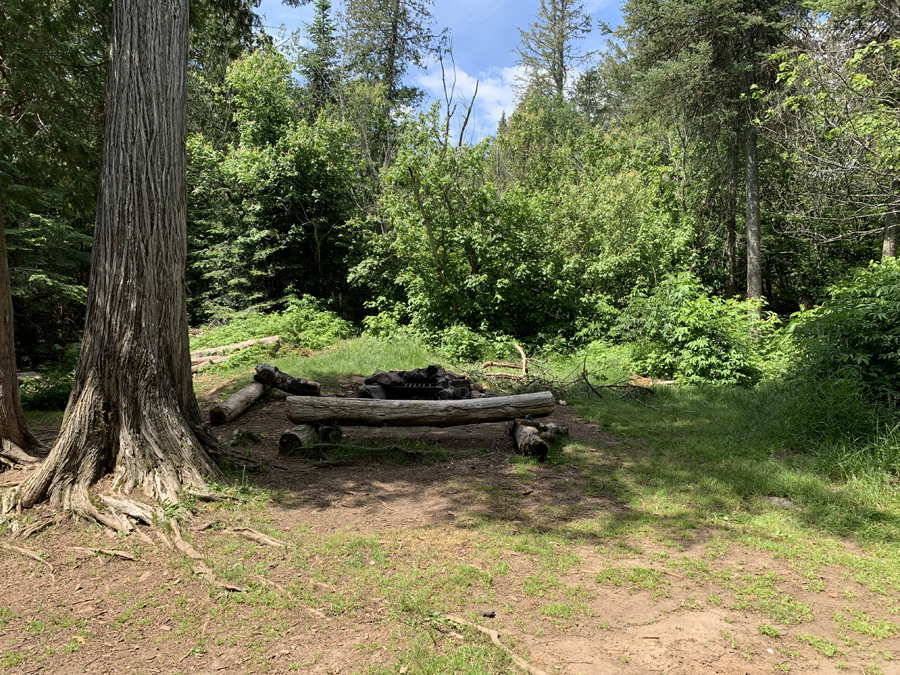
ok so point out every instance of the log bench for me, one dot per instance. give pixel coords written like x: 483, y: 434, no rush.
x: 399, y: 413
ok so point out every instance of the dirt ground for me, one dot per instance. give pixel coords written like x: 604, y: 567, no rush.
x: 75, y: 611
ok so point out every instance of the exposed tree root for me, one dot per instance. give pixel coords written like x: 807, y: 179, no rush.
x: 495, y: 638
x: 104, y: 551
x: 148, y: 445
x: 29, y: 554
x: 257, y: 536
x: 13, y: 456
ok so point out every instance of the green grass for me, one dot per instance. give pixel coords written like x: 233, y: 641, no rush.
x: 822, y: 645
x: 714, y: 458
x: 635, y: 578
x: 361, y: 356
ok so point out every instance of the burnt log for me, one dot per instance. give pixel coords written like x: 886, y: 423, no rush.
x: 375, y: 413
x: 272, y: 377
x: 236, y: 404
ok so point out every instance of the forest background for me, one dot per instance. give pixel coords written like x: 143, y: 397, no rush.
x: 713, y: 197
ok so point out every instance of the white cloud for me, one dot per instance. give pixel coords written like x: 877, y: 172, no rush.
x: 496, y: 94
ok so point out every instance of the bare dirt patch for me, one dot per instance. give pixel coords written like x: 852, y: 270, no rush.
x: 379, y: 551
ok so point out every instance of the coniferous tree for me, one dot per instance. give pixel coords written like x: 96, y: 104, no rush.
x: 319, y: 62
x: 132, y: 410
x: 385, y: 38
x: 703, y: 62
x: 548, y: 51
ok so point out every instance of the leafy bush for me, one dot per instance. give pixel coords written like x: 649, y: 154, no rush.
x: 855, y: 333
x: 303, y: 324
x: 680, y: 331
x: 462, y: 344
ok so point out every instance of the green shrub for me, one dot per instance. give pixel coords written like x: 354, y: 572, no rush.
x: 679, y: 331
x: 303, y: 324
x: 461, y: 343
x: 855, y: 333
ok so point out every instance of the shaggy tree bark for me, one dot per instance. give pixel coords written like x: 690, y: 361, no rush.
x: 132, y: 410
x: 17, y: 443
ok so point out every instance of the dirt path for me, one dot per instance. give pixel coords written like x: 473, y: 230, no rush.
x: 380, y: 552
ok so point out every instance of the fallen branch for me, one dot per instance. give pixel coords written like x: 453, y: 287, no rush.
x: 495, y: 638
x: 29, y: 554
x: 214, y: 497
x: 233, y: 347
x: 97, y: 551
x: 257, y: 536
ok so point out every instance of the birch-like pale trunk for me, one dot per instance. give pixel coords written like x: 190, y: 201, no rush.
x: 754, y: 244
x: 891, y: 227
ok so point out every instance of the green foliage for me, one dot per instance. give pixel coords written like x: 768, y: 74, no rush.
x: 680, y: 331
x: 545, y: 260
x: 461, y: 343
x: 268, y: 215
x: 855, y: 333
x: 304, y: 324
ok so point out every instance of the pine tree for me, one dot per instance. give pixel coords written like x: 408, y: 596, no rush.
x: 385, y: 38
x: 319, y: 63
x: 548, y: 51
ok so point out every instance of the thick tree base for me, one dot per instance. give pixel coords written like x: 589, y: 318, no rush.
x: 156, y: 451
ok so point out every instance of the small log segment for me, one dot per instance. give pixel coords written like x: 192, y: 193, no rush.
x: 236, y: 404
x: 294, y: 440
x: 272, y: 377
x: 528, y: 441
x: 398, y: 413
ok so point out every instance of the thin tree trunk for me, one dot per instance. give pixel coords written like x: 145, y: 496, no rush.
x: 132, y: 410
x: 17, y: 443
x: 731, y: 222
x: 889, y: 245
x: 754, y: 267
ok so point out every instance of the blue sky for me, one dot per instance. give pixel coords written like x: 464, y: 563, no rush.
x: 484, y: 33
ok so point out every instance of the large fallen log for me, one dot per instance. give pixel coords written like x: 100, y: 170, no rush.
x: 528, y: 441
x: 271, y: 376
x: 398, y: 413
x: 212, y: 351
x: 236, y: 404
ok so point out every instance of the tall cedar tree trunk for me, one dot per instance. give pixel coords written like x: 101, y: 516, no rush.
x: 754, y: 268
x: 889, y: 245
x: 731, y: 221
x: 17, y: 443
x: 132, y: 410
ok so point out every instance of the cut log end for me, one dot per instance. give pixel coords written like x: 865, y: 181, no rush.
x: 529, y: 442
